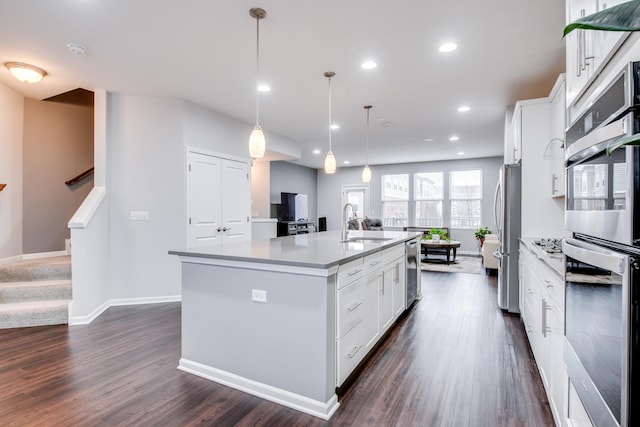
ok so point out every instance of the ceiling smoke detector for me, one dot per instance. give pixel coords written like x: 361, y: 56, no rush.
x: 76, y: 49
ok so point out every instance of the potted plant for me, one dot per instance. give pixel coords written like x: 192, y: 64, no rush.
x: 623, y: 17
x: 437, y: 234
x: 481, y: 233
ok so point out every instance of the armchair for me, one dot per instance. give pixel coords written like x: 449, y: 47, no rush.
x: 491, y: 244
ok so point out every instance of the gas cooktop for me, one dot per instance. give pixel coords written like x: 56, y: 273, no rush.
x: 552, y: 246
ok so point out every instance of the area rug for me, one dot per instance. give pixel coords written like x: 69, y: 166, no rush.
x: 463, y: 264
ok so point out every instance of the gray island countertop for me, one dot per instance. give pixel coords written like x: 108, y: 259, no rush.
x: 314, y: 250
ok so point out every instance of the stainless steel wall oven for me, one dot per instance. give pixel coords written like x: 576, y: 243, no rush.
x: 601, y: 189
x: 602, y: 327
x: 602, y: 276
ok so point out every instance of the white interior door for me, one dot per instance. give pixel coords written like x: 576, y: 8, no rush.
x: 204, y: 189
x: 236, y: 201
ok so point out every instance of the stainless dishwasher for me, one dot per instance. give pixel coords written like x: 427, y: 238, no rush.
x: 413, y: 271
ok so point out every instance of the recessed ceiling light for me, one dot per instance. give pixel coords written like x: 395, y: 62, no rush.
x: 460, y: 153
x: 387, y: 125
x: 368, y: 65
x: 346, y: 162
x: 448, y: 47
x: 454, y: 138
x: 381, y: 118
x: 428, y: 139
x: 264, y: 88
x: 464, y: 109
x: 316, y: 151
x: 335, y: 126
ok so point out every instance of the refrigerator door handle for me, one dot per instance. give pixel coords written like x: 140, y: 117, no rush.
x: 495, y: 208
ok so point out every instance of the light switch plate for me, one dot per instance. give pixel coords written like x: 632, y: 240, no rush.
x: 139, y: 215
x: 258, y: 295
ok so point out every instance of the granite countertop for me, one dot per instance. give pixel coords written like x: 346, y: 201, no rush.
x: 555, y: 261
x: 315, y: 250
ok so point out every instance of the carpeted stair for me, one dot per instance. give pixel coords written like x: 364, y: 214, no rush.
x: 35, y: 292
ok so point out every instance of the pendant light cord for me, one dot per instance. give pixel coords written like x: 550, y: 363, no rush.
x: 367, y: 163
x: 330, y: 114
x: 257, y: 70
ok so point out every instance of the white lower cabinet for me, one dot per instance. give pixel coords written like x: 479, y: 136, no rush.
x: 370, y: 295
x: 577, y: 416
x: 543, y: 320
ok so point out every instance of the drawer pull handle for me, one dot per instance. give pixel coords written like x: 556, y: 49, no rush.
x: 354, y: 306
x: 548, y: 284
x: 530, y: 291
x: 354, y: 272
x: 354, y: 352
x: 374, y: 263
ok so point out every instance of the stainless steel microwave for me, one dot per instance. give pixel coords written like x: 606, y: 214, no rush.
x: 603, y: 191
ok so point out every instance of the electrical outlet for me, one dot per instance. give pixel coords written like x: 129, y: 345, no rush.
x: 258, y: 295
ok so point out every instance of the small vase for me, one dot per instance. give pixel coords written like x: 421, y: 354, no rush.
x: 435, y: 237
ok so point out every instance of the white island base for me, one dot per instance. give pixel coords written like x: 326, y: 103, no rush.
x: 282, y: 350
x: 289, y: 319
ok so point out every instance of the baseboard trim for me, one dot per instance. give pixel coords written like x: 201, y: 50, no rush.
x: 85, y: 320
x: 148, y: 300
x: 323, y: 410
x: 37, y: 255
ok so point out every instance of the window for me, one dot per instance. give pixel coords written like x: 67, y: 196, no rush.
x: 395, y: 200
x: 358, y: 196
x: 428, y: 194
x: 466, y: 198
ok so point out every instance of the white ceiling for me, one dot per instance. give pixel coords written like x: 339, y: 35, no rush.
x: 204, y: 51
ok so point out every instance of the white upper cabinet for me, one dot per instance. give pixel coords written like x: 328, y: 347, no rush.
x: 554, y: 152
x: 588, y: 51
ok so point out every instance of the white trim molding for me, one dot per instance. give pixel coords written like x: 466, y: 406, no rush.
x: 323, y: 410
x: 85, y: 320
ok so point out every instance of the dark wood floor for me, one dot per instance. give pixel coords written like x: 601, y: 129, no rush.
x: 455, y: 360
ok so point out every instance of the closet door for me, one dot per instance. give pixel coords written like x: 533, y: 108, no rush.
x: 204, y: 190
x: 236, y: 201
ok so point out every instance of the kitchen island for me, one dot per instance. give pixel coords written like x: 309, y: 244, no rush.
x: 289, y: 319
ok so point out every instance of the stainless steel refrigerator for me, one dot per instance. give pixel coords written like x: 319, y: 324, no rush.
x: 507, y: 208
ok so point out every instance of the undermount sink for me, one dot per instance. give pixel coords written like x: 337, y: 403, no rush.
x: 367, y: 239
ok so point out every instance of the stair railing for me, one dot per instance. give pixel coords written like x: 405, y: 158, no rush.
x: 80, y: 177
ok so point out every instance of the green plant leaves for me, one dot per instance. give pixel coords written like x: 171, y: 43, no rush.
x: 626, y: 140
x: 623, y: 17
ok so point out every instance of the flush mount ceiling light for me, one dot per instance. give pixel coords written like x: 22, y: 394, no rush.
x: 257, y: 143
x: 448, y: 47
x: 368, y: 65
x: 464, y: 109
x: 25, y: 72
x: 330, y: 160
x: 366, y: 172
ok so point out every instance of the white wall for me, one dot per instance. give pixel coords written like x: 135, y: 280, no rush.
x: 145, y: 172
x: 330, y: 188
x: 11, y: 123
x: 57, y: 145
x: 260, y: 185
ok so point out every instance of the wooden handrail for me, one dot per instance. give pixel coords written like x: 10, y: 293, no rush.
x: 80, y: 177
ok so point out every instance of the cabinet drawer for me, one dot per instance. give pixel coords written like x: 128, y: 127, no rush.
x: 373, y: 262
x: 350, y: 309
x: 350, y: 350
x: 349, y: 272
x: 391, y: 254
x: 552, y: 282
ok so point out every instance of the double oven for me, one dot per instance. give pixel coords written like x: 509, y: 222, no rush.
x: 602, y: 276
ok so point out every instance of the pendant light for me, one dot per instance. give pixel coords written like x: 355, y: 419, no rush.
x: 257, y: 143
x: 366, y: 172
x: 330, y: 160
